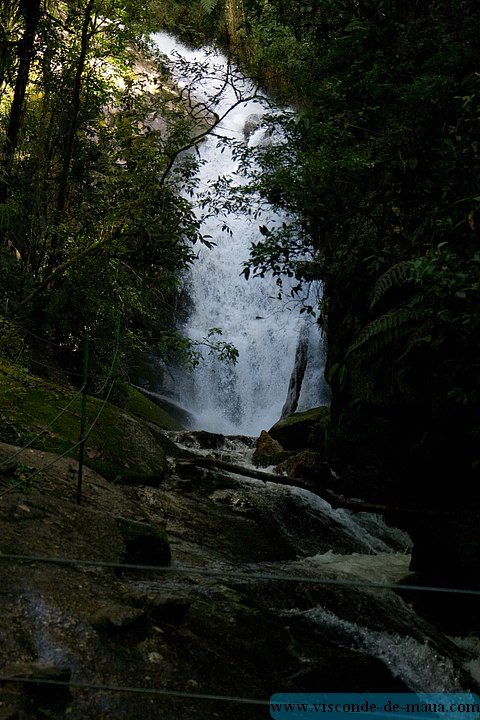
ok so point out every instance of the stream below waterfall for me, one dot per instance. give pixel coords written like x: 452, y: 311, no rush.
x: 247, y: 397
x: 340, y: 636
x: 269, y: 590
x: 184, y: 589
x: 347, y: 635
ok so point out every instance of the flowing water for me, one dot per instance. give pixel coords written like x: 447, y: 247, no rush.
x: 248, y: 397
x: 296, y: 534
x: 290, y: 531
x: 270, y: 589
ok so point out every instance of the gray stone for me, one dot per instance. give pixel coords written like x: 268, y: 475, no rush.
x: 251, y: 124
x: 116, y: 621
x: 296, y: 379
x: 145, y: 543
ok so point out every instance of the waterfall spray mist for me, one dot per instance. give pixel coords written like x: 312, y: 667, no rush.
x: 247, y: 397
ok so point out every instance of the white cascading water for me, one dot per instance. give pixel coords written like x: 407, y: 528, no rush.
x: 247, y: 397
x: 242, y: 400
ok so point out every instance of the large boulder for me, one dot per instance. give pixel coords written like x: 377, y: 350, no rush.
x: 145, y: 543
x: 302, y: 430
x: 268, y: 451
x: 175, y: 417
x: 252, y: 123
x: 308, y: 466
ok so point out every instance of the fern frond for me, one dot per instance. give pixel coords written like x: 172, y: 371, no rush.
x: 208, y: 5
x: 395, y: 276
x: 385, y: 330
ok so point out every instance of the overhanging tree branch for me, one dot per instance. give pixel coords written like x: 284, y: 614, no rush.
x: 197, y: 138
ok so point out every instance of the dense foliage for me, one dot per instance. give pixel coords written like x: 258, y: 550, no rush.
x: 197, y: 22
x: 379, y: 169
x: 381, y: 166
x: 94, y: 220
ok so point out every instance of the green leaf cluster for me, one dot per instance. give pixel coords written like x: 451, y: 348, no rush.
x: 94, y: 220
x: 379, y: 169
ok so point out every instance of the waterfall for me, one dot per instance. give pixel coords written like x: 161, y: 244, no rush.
x: 247, y: 397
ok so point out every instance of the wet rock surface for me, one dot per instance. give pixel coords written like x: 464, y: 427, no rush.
x: 217, y: 620
x: 268, y: 451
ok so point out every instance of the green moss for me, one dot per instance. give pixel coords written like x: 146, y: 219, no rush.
x: 138, y: 404
x: 28, y: 404
x: 302, y: 430
x: 315, y: 415
x: 126, y: 443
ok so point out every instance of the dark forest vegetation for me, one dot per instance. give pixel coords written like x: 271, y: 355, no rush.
x: 381, y: 169
x: 95, y: 226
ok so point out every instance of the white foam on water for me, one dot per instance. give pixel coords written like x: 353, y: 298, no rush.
x: 420, y: 666
x: 248, y: 397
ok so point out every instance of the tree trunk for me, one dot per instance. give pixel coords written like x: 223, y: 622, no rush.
x: 31, y: 12
x: 241, y: 470
x: 77, y: 89
x: 235, y: 17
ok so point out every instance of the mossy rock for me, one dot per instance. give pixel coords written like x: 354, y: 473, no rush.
x: 123, y: 443
x: 127, y: 446
x: 155, y: 409
x: 302, y: 430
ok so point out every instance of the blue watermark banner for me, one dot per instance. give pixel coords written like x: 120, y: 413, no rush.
x: 379, y: 706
